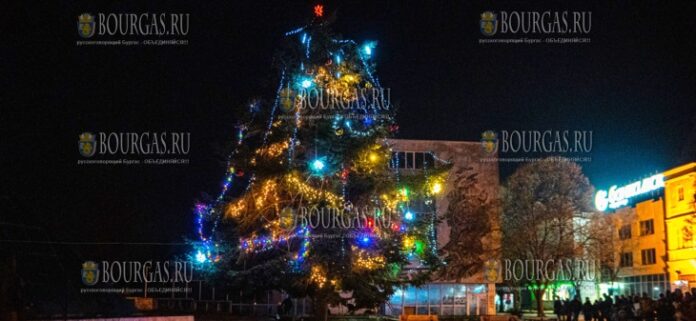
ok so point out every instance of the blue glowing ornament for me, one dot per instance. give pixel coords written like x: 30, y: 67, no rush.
x: 200, y: 257
x: 338, y: 59
x: 368, y: 48
x: 317, y: 166
x: 306, y: 83
x: 409, y: 216
x: 368, y: 121
x: 365, y: 240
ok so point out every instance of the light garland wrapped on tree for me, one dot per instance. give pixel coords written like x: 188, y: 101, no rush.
x: 294, y: 153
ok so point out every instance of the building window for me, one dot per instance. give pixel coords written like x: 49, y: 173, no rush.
x: 412, y: 160
x: 625, y: 232
x: 647, y: 227
x: 680, y: 193
x: 626, y: 259
x: 647, y: 256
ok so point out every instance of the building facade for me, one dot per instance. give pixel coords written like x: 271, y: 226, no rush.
x: 466, y: 295
x: 654, y: 220
x: 640, y: 261
x: 680, y: 217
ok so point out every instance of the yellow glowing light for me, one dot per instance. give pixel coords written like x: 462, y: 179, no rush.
x: 268, y: 195
x: 403, y: 193
x: 373, y: 157
x: 317, y: 276
x: 341, y: 83
x: 436, y: 188
x: 295, y: 184
x: 367, y: 262
x: 408, y: 242
x: 235, y: 209
x: 389, y: 201
x: 273, y: 150
x: 261, y: 198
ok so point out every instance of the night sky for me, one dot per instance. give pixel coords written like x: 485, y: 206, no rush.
x: 633, y: 86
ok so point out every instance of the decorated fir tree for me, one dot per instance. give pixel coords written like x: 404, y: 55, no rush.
x: 313, y: 203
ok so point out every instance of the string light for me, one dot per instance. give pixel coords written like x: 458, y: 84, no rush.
x: 311, y: 194
x: 341, y: 79
x: 295, y: 31
x: 318, y: 277
x: 367, y: 262
x: 273, y: 150
x: 309, y: 41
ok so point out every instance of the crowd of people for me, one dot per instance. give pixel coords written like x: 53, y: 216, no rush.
x: 671, y: 306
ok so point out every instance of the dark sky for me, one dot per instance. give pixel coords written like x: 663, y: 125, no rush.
x: 633, y: 86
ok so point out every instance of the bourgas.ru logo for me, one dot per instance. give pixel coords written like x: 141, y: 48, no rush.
x: 147, y: 143
x: 535, y: 22
x: 133, y: 24
x: 136, y: 272
x: 537, y: 141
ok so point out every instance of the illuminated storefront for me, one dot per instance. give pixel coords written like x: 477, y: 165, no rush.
x: 440, y: 299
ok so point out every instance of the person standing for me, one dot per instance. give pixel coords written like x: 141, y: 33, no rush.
x: 606, y: 307
x: 587, y: 310
x: 664, y: 309
x: 557, y: 307
x: 576, y: 307
x: 646, y: 308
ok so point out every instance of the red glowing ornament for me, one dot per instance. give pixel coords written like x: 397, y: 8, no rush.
x: 319, y: 11
x: 344, y: 174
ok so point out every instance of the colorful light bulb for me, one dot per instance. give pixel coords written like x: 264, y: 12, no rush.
x: 409, y: 216
x: 317, y: 165
x: 436, y: 188
x: 200, y: 257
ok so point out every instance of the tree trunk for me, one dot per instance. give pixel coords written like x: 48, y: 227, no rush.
x: 517, y: 298
x: 539, y: 296
x: 321, y: 308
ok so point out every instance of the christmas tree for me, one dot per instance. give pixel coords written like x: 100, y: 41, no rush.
x: 313, y: 203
